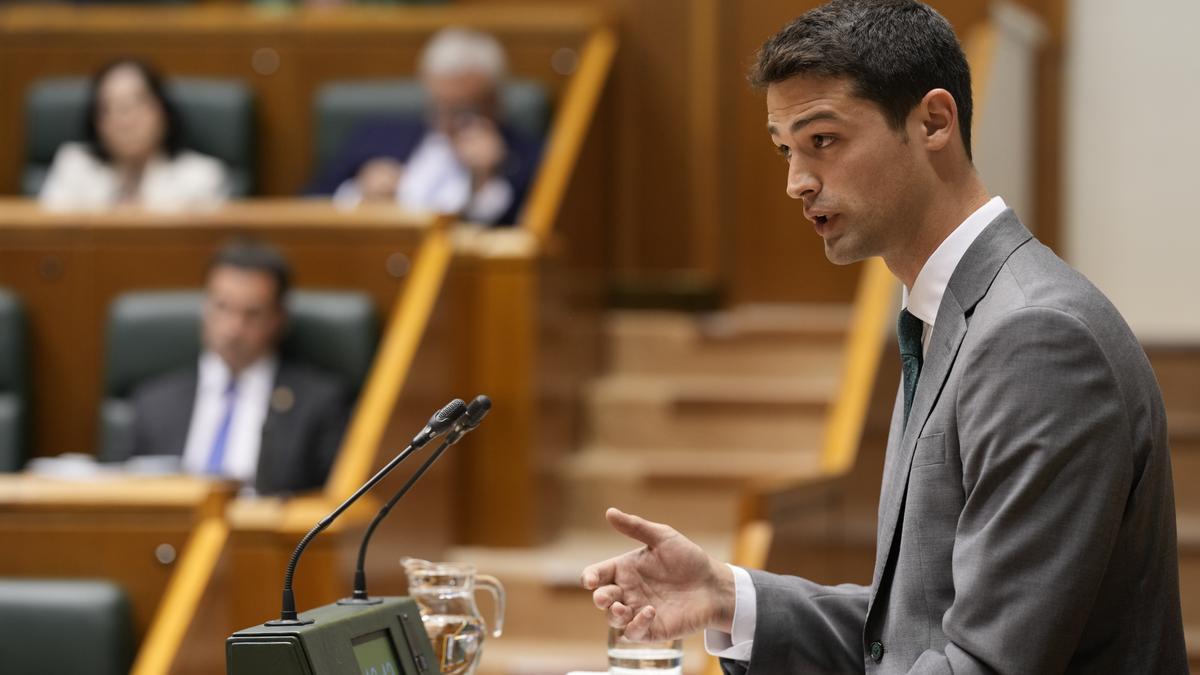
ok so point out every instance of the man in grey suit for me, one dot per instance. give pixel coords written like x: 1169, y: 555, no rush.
x: 244, y: 411
x: 1026, y: 517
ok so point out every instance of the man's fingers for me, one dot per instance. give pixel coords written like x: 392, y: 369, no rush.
x: 619, y: 615
x: 638, y: 628
x: 599, y: 574
x: 650, y: 534
x: 605, y: 596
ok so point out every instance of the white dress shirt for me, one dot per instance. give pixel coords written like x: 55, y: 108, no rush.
x: 80, y: 181
x: 253, y: 398
x: 922, y: 301
x: 435, y: 180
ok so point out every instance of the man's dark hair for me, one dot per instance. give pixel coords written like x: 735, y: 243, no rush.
x: 894, y: 51
x: 172, y: 142
x: 257, y: 257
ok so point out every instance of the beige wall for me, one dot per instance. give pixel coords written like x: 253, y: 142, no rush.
x: 1130, y: 167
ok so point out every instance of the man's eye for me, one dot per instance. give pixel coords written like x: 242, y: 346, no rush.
x: 784, y: 152
x: 822, y: 140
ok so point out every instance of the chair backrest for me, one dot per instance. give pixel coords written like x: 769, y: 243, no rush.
x: 217, y: 118
x: 65, y: 626
x: 340, y: 106
x: 13, y: 382
x: 152, y: 333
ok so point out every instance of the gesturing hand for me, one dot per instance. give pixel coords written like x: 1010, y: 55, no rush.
x: 667, y: 589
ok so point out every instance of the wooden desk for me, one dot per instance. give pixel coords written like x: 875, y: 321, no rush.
x: 108, y: 528
x: 67, y: 268
x: 284, y: 55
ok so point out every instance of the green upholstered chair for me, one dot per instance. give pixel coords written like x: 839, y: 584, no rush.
x: 13, y: 382
x: 52, y: 626
x: 217, y: 118
x: 155, y: 332
x: 340, y: 106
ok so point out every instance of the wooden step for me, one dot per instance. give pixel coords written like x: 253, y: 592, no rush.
x: 749, y: 341
x: 1185, y: 463
x: 691, y: 490
x: 698, y: 412
x: 1178, y: 371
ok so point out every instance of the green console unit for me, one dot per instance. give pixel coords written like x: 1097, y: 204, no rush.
x: 387, y: 638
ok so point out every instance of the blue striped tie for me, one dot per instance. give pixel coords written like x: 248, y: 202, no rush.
x: 216, y: 458
x: 910, y: 329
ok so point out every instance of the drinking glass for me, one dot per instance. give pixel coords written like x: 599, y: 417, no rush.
x: 628, y: 657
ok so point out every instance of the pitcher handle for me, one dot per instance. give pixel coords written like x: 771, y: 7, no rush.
x: 493, y: 586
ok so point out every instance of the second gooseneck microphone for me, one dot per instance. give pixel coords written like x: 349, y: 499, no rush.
x: 476, y: 411
x: 441, y: 421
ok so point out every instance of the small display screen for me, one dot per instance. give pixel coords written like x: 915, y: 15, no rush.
x: 375, y: 654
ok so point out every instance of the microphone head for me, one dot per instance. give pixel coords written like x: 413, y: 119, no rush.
x: 447, y: 416
x: 477, y: 410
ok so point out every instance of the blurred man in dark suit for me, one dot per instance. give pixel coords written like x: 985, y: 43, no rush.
x: 461, y: 159
x: 243, y: 412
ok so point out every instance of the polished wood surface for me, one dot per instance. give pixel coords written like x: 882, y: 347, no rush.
x: 112, y: 527
x: 67, y: 269
x: 284, y: 55
x: 182, y: 598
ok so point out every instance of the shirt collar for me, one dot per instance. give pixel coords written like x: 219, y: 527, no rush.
x: 214, y: 374
x: 925, y: 296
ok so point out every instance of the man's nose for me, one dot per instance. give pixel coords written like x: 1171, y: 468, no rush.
x: 801, y: 182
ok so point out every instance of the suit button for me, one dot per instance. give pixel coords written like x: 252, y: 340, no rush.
x: 877, y: 651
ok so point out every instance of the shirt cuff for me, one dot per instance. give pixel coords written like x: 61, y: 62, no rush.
x: 489, y: 202
x: 738, y: 644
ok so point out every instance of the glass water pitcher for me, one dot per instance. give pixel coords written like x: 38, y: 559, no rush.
x: 445, y: 592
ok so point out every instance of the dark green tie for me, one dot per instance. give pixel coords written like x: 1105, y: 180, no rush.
x: 910, y: 328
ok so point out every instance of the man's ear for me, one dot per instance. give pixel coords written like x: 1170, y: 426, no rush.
x: 939, y: 119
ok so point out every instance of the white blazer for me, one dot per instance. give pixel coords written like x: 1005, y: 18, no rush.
x: 79, y: 181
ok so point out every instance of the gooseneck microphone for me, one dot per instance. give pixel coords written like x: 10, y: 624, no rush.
x: 441, y: 421
x: 476, y: 411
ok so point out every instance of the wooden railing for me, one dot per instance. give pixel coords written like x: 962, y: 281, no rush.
x: 571, y: 126
x: 392, y: 364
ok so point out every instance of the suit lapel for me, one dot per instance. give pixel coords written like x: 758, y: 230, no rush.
x: 179, y: 412
x: 943, y: 348
x: 970, y: 281
x: 266, y: 476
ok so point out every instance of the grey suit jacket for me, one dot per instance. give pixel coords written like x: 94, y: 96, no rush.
x: 1026, y: 517
x: 301, y: 434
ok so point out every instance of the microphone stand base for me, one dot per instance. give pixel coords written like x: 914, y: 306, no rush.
x: 360, y: 601
x: 288, y: 622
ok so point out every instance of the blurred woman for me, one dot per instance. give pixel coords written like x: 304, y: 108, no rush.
x: 132, y: 154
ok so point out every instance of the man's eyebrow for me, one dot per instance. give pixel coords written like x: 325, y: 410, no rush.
x: 801, y: 122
